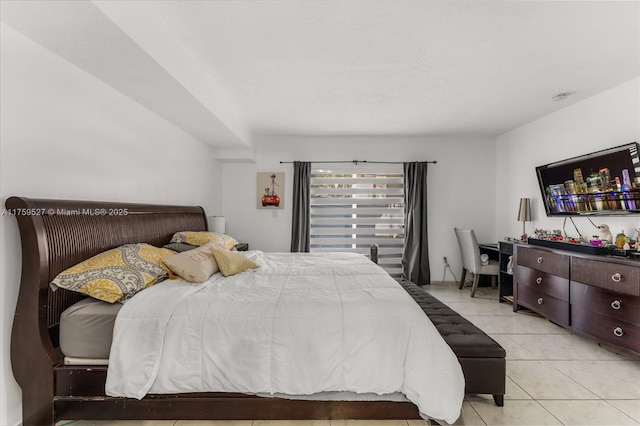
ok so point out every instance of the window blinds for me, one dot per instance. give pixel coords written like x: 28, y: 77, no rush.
x: 357, y: 206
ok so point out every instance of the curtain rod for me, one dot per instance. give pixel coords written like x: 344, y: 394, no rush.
x: 360, y: 161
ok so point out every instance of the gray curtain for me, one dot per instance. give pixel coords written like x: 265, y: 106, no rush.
x: 415, y: 256
x: 300, y: 225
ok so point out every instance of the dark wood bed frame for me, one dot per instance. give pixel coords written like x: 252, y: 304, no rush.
x: 58, y: 234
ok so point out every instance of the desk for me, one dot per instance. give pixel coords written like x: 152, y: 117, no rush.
x: 490, y: 249
x: 505, y: 278
x: 501, y: 252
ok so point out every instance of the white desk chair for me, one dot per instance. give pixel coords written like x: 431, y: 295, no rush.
x: 471, y: 259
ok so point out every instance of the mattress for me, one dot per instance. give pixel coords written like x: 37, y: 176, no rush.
x: 86, y: 334
x: 86, y: 331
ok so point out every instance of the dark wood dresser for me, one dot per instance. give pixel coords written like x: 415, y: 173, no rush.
x: 593, y: 295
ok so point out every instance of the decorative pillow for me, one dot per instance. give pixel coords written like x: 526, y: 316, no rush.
x: 195, y: 265
x: 203, y: 237
x: 231, y: 263
x: 117, y: 274
x: 180, y: 247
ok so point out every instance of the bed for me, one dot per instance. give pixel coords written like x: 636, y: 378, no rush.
x: 58, y: 234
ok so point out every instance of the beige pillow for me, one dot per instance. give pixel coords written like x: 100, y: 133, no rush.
x: 195, y: 265
x: 231, y: 263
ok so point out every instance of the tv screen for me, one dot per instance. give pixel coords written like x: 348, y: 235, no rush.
x: 606, y: 182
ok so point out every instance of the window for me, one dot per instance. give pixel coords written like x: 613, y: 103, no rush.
x: 353, y: 208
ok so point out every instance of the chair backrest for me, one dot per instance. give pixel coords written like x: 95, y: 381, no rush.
x: 469, y: 249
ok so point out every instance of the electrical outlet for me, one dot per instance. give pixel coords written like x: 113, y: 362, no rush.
x: 444, y: 259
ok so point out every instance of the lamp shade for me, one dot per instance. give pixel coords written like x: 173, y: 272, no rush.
x: 217, y: 224
x: 524, y: 212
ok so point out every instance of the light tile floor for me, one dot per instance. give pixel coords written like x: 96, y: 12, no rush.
x: 554, y: 377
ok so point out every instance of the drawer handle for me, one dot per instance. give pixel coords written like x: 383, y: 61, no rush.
x: 616, y: 304
x: 539, y: 280
x: 540, y: 300
x: 539, y: 260
x: 617, y: 277
x: 618, y: 331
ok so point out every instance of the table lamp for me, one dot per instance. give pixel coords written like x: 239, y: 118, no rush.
x: 524, y: 215
x: 217, y: 224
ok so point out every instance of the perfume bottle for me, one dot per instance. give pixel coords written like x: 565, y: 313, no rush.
x: 621, y: 239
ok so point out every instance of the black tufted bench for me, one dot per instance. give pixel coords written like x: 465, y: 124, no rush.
x: 482, y: 358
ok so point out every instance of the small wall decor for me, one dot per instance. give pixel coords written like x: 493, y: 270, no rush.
x: 270, y: 190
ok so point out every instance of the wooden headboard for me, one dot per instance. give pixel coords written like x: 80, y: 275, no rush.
x: 57, y: 234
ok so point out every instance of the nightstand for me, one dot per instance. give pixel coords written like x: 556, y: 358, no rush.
x: 242, y: 246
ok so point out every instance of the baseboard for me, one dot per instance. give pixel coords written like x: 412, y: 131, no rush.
x: 444, y: 283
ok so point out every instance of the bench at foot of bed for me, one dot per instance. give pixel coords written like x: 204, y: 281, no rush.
x: 482, y: 358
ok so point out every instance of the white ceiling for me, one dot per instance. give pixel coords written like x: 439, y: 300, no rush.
x: 229, y: 71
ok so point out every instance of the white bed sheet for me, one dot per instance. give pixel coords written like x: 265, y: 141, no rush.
x: 300, y: 324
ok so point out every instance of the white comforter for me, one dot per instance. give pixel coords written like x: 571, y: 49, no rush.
x: 299, y: 324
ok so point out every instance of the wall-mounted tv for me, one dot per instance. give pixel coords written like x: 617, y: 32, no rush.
x: 606, y: 182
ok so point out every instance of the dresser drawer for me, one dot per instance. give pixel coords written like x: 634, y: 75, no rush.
x: 608, y: 329
x: 614, y: 305
x: 612, y: 276
x: 549, y: 307
x: 544, y: 260
x: 552, y: 285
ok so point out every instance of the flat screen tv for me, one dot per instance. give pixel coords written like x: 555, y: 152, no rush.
x: 606, y: 182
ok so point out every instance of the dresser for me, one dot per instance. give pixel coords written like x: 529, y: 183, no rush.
x: 593, y: 295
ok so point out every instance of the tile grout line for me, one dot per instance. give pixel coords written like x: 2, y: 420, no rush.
x: 522, y: 389
x: 477, y: 413
x: 550, y: 413
x: 620, y: 411
x: 603, y: 400
x: 572, y: 379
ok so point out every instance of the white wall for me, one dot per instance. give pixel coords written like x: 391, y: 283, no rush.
x: 66, y: 135
x: 461, y: 187
x: 608, y: 119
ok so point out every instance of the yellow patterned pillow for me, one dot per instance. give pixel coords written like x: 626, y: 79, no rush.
x: 203, y: 237
x: 231, y: 263
x: 117, y: 274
